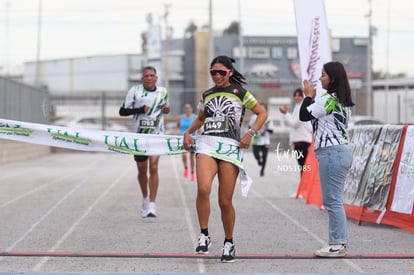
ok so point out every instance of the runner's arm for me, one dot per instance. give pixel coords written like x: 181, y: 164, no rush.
x: 131, y: 111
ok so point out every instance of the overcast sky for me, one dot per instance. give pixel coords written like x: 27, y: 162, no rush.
x: 72, y: 28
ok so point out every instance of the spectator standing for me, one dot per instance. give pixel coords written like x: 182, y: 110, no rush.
x: 330, y: 114
x: 300, y: 133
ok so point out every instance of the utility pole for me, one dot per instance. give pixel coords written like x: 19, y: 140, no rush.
x: 369, y: 61
x: 39, y: 28
x: 387, y: 68
x: 6, y: 40
x: 210, y: 37
x: 241, y: 41
x: 167, y: 39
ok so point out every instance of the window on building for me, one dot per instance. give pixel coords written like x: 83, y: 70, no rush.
x: 259, y: 52
x: 277, y: 52
x: 292, y: 53
x: 237, y: 52
x: 336, y: 45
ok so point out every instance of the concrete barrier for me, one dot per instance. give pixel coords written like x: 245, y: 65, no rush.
x: 11, y: 151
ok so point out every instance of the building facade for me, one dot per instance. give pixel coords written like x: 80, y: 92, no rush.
x: 393, y: 100
x: 270, y: 65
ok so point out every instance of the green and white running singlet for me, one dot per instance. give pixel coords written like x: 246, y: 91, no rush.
x: 224, y: 109
x: 329, y: 127
x: 151, y: 122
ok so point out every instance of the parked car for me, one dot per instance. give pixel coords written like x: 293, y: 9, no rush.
x: 91, y: 123
x: 364, y: 120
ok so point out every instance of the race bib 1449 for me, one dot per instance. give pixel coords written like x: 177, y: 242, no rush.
x: 216, y: 125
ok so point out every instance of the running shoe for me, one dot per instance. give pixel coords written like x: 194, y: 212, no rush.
x: 229, y: 253
x: 152, y: 210
x: 332, y: 251
x: 193, y: 177
x: 186, y: 172
x: 144, y: 207
x: 204, y: 243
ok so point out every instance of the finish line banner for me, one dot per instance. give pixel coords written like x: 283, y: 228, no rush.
x: 123, y: 142
x: 91, y: 140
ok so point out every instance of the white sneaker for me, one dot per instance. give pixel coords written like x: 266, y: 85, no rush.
x: 332, y: 251
x: 152, y: 210
x: 229, y: 253
x: 204, y: 243
x: 144, y: 207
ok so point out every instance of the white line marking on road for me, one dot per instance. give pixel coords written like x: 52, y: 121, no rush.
x: 53, y: 208
x: 39, y: 265
x: 304, y: 228
x: 200, y: 262
x: 44, y: 217
x: 42, y: 186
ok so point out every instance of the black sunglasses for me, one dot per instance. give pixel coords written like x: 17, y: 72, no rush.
x: 220, y: 72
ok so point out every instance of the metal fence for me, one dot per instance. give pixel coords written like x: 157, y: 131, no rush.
x: 19, y: 101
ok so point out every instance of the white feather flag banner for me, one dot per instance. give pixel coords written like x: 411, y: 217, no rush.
x: 313, y: 40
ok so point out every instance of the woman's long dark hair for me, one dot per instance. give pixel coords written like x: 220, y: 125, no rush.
x: 339, y: 83
x: 237, y: 77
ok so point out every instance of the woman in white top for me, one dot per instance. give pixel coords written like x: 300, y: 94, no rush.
x: 300, y: 135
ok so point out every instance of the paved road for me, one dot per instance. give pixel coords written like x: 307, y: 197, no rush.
x: 75, y: 212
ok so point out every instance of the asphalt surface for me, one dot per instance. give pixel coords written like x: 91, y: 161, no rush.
x: 78, y: 213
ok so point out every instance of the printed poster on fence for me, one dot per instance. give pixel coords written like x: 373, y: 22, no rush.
x: 369, y: 181
x: 403, y: 200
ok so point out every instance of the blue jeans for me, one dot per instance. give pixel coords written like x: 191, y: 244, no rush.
x: 334, y: 163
